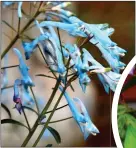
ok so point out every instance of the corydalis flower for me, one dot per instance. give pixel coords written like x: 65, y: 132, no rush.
x: 98, y: 34
x: 16, y: 97
x: 108, y: 78
x: 25, y: 82
x: 79, y: 66
x: 95, y: 30
x: 55, y: 47
x: 29, y: 47
x: 23, y: 69
x: 112, y: 57
x: 83, y: 120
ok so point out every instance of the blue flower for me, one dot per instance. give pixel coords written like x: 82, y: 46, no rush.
x: 27, y: 99
x: 88, y: 29
x: 6, y: 3
x: 72, y: 29
x: 79, y: 66
x: 16, y: 97
x: 73, y: 51
x: 112, y: 57
x: 84, y: 80
x: 83, y: 120
x: 108, y: 78
x: 61, y: 17
x: 19, y: 9
x: 88, y: 127
x: 53, y: 51
x: 29, y: 47
x: 23, y: 69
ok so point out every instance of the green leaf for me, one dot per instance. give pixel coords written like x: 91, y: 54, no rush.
x: 130, y: 139
x: 49, y: 145
x: 129, y: 84
x: 9, y: 25
x: 12, y: 121
x: 29, y: 108
x: 55, y: 134
x: 6, y: 109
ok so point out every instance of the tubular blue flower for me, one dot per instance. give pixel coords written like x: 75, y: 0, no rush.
x: 112, y: 58
x: 83, y: 120
x: 19, y: 9
x: 84, y: 80
x: 79, y: 66
x: 73, y: 51
x: 89, y: 127
x: 6, y: 3
x: 72, y: 29
x: 23, y: 69
x: 54, y: 48
x: 61, y: 17
x: 27, y: 99
x: 108, y: 78
x: 16, y: 97
x: 88, y: 29
x: 29, y: 47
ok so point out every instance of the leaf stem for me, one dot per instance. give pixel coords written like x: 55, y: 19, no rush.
x: 26, y: 119
x: 35, y: 100
x: 61, y: 120
x: 57, y: 108
x: 19, y: 23
x: 10, y: 66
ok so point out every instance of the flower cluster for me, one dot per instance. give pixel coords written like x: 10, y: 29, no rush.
x: 25, y: 81
x: 81, y: 62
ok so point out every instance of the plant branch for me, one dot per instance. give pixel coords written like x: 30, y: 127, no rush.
x: 21, y: 32
x: 61, y: 120
x: 35, y: 100
x: 26, y: 119
x: 42, y: 113
x: 9, y: 66
x: 57, y: 108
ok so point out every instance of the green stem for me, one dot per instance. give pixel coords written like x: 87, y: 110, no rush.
x: 35, y: 100
x: 47, y: 122
x: 42, y: 75
x: 7, y: 87
x: 42, y: 113
x: 19, y: 23
x: 26, y: 119
x: 60, y: 120
x: 60, y: 44
x: 9, y: 66
x: 57, y: 108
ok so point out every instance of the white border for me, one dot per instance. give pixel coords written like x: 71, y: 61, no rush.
x: 116, y: 99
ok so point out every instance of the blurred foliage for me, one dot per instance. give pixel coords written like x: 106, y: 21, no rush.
x: 127, y: 126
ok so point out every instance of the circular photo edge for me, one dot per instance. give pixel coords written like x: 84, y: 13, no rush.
x: 116, y: 100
